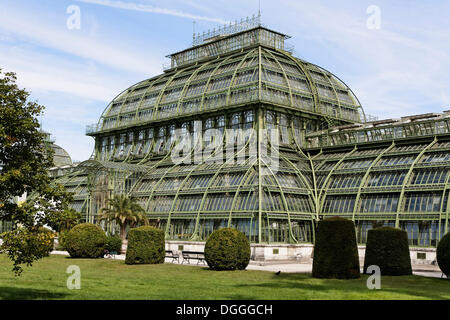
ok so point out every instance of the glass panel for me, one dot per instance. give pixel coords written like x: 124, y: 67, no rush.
x: 423, y: 202
x: 379, y: 203
x: 345, y: 181
x: 386, y: 179
x: 339, y: 204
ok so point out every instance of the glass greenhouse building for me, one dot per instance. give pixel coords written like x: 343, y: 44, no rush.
x: 331, y: 161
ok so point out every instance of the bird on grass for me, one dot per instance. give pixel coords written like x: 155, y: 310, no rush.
x: 278, y: 273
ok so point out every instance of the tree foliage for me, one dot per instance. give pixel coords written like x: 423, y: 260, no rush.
x: 25, y: 245
x: 65, y: 220
x: 113, y: 244
x: 25, y: 158
x: 125, y: 212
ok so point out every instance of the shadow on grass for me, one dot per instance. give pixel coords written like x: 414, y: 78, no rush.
x: 11, y: 293
x: 413, y: 286
x: 241, y: 297
x: 80, y: 258
x: 428, y: 288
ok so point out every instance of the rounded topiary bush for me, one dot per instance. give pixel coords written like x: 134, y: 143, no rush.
x: 113, y: 244
x: 388, y: 249
x: 443, y: 255
x: 335, y: 250
x: 85, y: 240
x: 227, y: 249
x: 146, y: 245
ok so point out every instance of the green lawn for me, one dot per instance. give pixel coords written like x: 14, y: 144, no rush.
x: 112, y: 279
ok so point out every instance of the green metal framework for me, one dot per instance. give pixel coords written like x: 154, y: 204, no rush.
x: 394, y: 172
x: 331, y: 162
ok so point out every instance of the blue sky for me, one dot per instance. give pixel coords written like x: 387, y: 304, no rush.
x: 397, y: 70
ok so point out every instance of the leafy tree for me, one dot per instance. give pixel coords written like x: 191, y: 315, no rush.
x: 25, y: 245
x: 25, y: 158
x: 65, y: 220
x: 125, y: 212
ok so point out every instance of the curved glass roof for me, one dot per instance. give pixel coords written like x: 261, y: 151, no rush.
x: 257, y: 74
x: 60, y: 156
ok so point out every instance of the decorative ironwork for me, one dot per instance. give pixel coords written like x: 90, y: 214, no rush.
x: 236, y: 27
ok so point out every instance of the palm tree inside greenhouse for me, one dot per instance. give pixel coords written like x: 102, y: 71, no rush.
x: 125, y: 212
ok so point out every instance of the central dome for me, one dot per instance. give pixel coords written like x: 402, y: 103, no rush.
x: 255, y: 73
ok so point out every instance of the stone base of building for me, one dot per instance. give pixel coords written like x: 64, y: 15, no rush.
x: 300, y: 253
x: 425, y: 256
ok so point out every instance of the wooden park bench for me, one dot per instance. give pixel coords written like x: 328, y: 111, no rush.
x: 193, y: 255
x: 173, y: 255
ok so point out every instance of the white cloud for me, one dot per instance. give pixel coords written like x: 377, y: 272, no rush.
x: 73, y: 94
x: 73, y: 74
x: 152, y: 9
x: 48, y: 72
x: 394, y: 71
x: 28, y: 28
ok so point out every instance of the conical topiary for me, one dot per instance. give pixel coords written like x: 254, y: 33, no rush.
x: 388, y: 249
x: 335, y: 250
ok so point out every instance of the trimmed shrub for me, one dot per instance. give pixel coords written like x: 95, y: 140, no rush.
x: 146, y: 245
x: 335, y: 250
x: 227, y: 249
x: 443, y: 254
x: 388, y: 248
x: 113, y: 244
x: 85, y: 240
